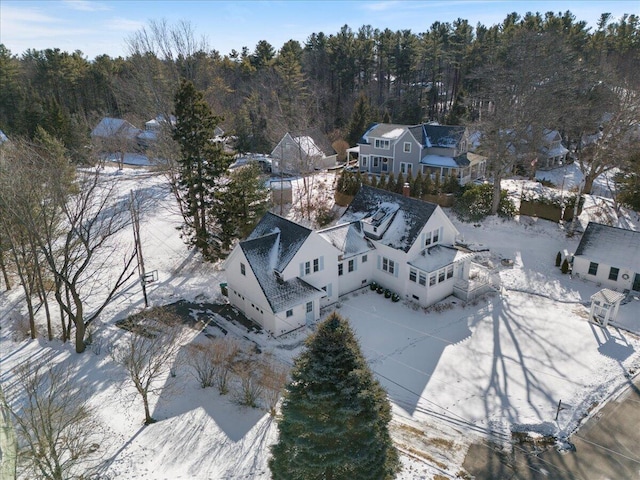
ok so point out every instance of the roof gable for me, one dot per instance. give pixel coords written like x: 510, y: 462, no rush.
x: 291, y: 236
x: 268, y: 250
x: 409, y: 215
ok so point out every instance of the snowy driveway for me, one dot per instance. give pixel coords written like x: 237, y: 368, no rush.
x: 506, y: 361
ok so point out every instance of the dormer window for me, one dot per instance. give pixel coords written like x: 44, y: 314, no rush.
x: 383, y: 144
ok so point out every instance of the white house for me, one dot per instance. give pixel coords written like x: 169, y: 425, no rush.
x: 283, y: 272
x: 299, y: 155
x: 609, y: 256
x: 278, y: 275
x: 115, y: 129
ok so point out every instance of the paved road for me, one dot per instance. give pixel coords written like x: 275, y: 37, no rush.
x: 607, y: 448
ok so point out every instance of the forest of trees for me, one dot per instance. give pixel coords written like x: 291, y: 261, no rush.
x: 403, y: 76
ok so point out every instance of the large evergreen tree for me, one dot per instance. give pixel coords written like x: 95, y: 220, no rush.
x: 335, y: 415
x: 245, y: 199
x: 201, y: 164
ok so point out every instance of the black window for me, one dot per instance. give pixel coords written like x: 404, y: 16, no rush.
x: 351, y: 265
x: 289, y: 313
x: 364, y: 259
x: 307, y: 268
x: 613, y: 274
x: 340, y: 269
x: 423, y: 279
x: 593, y: 268
x: 316, y: 264
x: 412, y: 275
x: 243, y: 269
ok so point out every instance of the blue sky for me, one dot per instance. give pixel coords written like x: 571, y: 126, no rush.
x: 97, y: 27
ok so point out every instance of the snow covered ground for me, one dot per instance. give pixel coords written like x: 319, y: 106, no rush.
x: 454, y: 373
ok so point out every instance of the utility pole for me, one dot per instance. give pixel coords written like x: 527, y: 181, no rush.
x: 135, y: 221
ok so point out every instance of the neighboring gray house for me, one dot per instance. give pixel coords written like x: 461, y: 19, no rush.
x: 299, y: 155
x: 283, y: 273
x: 426, y: 148
x: 552, y: 153
x: 609, y: 256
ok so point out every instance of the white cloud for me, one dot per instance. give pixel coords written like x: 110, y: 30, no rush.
x: 11, y: 15
x: 86, y: 5
x: 124, y: 24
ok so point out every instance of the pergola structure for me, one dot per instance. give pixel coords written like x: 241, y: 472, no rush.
x: 604, y: 306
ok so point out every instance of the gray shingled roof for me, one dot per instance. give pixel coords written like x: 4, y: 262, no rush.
x: 348, y: 238
x: 613, y: 246
x: 447, y: 136
x: 407, y: 223
x: 269, y: 248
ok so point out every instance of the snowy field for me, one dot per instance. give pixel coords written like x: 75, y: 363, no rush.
x: 454, y: 374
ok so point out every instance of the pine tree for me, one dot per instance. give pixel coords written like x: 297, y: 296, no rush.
x: 416, y: 186
x: 382, y: 183
x: 427, y: 185
x: 391, y: 182
x: 399, y: 185
x: 360, y: 119
x: 558, y: 259
x: 565, y: 266
x: 244, y: 200
x: 201, y: 165
x: 374, y: 181
x: 335, y: 415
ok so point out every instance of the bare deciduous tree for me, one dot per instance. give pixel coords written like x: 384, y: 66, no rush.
x: 249, y: 389
x: 201, y: 359
x: 58, y: 437
x: 148, y: 352
x: 274, y: 376
x: 225, y: 353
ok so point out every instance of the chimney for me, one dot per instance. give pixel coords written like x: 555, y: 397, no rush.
x: 406, y: 189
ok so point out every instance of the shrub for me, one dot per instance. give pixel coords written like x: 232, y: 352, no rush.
x: 558, y: 259
x: 387, y: 293
x: 373, y: 285
x: 395, y: 297
x: 324, y: 216
x: 379, y: 289
x: 565, y: 266
x: 475, y: 203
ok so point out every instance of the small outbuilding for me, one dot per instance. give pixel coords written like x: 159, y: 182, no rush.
x: 604, y: 306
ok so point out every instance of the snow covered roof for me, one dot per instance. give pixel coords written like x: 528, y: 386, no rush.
x: 408, y: 218
x: 308, y: 146
x: 607, y: 296
x: 438, y: 256
x: 348, y: 238
x: 613, y: 246
x: 269, y: 249
x: 439, y: 161
x: 265, y: 255
x: 115, y: 127
x: 291, y: 237
x: 383, y: 130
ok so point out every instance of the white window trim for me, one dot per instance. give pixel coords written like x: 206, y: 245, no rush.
x: 405, y: 149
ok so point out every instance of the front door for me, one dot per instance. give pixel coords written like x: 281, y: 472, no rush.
x: 309, y: 317
x: 636, y: 282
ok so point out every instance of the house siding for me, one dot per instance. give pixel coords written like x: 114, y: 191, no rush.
x: 581, y: 268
